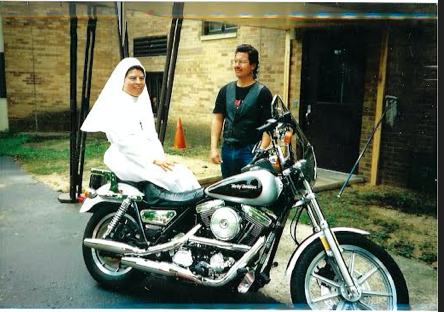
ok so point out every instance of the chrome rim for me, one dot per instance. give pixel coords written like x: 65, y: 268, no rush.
x: 325, y: 291
x: 108, y: 265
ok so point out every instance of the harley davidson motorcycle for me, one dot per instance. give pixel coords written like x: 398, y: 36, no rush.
x: 227, y: 234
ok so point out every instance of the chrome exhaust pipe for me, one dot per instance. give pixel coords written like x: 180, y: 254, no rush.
x: 218, y: 244
x: 162, y: 268
x: 171, y: 269
x: 125, y: 249
x: 112, y: 246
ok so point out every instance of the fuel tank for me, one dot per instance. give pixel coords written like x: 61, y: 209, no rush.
x: 256, y: 187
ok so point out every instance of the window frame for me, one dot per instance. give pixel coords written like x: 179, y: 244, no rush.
x: 225, y: 28
x: 161, y: 46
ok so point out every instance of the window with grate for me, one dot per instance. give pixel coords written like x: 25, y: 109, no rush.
x: 212, y: 28
x: 150, y: 46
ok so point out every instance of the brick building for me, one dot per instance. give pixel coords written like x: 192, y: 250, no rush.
x: 335, y: 71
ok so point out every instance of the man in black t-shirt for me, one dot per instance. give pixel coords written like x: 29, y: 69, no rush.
x: 241, y: 107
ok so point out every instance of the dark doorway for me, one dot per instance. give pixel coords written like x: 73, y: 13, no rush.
x: 154, y: 86
x: 332, y: 89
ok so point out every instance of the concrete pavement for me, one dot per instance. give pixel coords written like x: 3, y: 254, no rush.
x: 33, y: 226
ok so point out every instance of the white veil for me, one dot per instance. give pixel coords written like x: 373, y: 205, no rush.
x: 107, y: 110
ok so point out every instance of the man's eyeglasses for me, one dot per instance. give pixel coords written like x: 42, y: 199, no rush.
x: 241, y: 62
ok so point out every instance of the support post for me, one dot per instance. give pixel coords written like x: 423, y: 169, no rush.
x: 122, y: 30
x: 379, y: 107
x: 4, y: 120
x: 86, y: 91
x: 73, y: 163
x: 170, y: 66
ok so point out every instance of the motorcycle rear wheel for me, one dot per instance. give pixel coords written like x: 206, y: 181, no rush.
x: 105, y: 268
x: 315, y: 284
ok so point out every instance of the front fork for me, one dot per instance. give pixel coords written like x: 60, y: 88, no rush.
x: 330, y: 242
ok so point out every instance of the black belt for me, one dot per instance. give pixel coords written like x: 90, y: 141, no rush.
x: 238, y: 145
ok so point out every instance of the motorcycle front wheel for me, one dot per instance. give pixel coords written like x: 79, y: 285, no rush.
x: 316, y: 285
x: 104, y: 267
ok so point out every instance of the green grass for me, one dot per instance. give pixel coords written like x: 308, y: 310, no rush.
x: 401, y: 220
x: 44, y: 155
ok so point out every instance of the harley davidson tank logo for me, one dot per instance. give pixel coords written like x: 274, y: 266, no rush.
x: 243, y: 186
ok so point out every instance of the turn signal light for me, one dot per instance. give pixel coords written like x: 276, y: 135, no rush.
x: 90, y: 193
x: 287, y: 137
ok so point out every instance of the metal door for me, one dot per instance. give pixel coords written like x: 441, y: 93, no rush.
x: 333, y: 70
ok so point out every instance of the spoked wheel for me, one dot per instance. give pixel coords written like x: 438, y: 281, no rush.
x: 104, y: 267
x: 315, y: 281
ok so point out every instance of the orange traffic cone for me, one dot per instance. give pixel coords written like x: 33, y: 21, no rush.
x: 179, y: 139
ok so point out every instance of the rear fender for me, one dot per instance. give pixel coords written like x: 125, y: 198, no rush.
x: 104, y: 194
x: 311, y: 239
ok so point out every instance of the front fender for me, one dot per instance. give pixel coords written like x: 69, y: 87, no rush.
x: 309, y: 240
x: 105, y: 195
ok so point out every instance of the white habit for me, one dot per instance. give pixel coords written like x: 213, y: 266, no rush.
x: 129, y: 126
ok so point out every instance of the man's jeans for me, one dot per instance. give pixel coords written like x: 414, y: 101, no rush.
x: 234, y: 159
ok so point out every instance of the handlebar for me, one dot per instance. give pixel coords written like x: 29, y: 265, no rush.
x: 270, y: 125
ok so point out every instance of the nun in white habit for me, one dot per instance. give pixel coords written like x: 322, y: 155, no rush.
x: 123, y: 111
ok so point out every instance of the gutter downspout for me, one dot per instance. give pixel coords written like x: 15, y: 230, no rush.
x: 4, y: 119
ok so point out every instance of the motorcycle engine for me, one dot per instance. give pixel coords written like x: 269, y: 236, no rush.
x: 225, y: 223
x: 242, y: 224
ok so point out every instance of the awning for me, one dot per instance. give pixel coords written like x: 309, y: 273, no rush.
x: 281, y: 15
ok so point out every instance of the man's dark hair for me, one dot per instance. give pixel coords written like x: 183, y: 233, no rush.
x: 253, y: 56
x: 136, y: 67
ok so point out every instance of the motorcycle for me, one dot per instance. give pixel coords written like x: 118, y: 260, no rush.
x: 227, y: 234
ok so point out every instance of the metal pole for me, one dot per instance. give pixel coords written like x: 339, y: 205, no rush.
x: 118, y: 10
x: 160, y: 110
x: 170, y: 65
x: 71, y: 198
x: 122, y: 29
x: 391, y: 102
x: 86, y: 90
x: 4, y: 121
x: 171, y: 80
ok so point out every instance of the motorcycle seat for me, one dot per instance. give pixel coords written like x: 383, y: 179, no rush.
x: 157, y: 196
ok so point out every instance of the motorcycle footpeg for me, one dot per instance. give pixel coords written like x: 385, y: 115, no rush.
x: 242, y: 271
x: 246, y: 282
x: 263, y: 279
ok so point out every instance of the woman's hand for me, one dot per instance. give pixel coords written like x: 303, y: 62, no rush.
x: 164, y: 164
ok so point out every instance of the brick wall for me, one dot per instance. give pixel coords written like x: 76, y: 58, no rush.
x: 203, y: 67
x: 37, y: 54
x: 37, y: 76
x: 409, y: 148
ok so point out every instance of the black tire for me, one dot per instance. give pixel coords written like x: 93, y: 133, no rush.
x: 382, y: 287
x: 105, y: 269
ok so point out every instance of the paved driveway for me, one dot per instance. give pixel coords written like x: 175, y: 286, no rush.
x: 41, y: 264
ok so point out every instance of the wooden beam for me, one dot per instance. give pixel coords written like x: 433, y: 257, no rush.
x: 379, y: 107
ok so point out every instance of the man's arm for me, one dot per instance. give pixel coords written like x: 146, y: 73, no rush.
x: 265, y: 140
x: 216, y: 129
x: 265, y: 98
